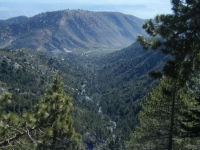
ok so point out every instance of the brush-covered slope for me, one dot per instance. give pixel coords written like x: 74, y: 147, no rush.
x: 70, y: 29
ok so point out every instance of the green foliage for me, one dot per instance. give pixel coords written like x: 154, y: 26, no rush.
x: 190, y: 122
x: 123, y: 82
x: 51, y: 127
x: 54, y: 112
x: 154, y: 127
x: 26, y: 73
x: 28, y: 82
x: 5, y: 98
x: 178, y: 37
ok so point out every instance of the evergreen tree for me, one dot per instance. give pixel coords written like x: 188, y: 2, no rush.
x: 51, y: 127
x: 154, y: 130
x: 54, y: 112
x: 176, y: 35
x: 190, y: 121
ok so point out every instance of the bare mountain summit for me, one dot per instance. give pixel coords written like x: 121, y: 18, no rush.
x: 70, y: 30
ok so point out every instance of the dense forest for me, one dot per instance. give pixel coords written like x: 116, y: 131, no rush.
x: 145, y: 96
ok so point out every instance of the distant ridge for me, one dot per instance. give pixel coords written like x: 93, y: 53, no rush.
x: 70, y: 30
x: 17, y: 20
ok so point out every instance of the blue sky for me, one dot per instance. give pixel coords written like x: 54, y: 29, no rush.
x: 144, y: 9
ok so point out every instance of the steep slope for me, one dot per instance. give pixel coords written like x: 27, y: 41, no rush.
x: 70, y: 29
x: 123, y: 82
x: 26, y: 73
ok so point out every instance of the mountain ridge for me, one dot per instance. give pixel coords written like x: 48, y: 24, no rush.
x: 69, y: 30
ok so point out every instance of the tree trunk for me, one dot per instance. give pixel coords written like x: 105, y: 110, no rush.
x: 170, y: 146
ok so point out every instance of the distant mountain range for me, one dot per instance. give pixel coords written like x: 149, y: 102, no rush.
x: 69, y: 30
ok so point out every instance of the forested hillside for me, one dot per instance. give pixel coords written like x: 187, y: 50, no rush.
x: 27, y: 73
x: 101, y: 110
x: 124, y: 82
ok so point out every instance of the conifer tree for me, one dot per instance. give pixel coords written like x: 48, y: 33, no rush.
x: 190, y: 121
x: 176, y: 35
x: 154, y: 127
x: 54, y: 112
x: 51, y: 127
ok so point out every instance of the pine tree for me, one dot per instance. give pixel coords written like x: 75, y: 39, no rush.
x: 176, y: 35
x: 154, y: 121
x: 190, y: 121
x: 51, y: 127
x: 54, y: 112
x: 154, y: 128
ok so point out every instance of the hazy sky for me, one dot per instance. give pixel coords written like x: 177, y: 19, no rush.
x: 144, y: 9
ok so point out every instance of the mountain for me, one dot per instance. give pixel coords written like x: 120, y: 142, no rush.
x: 69, y: 30
x: 107, y: 90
